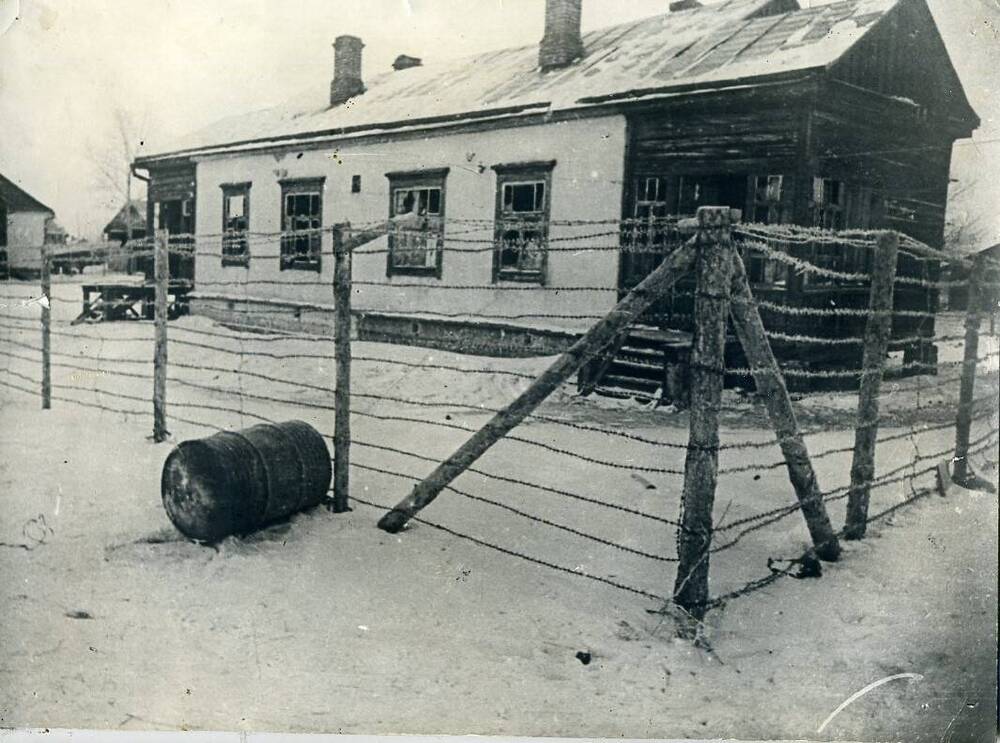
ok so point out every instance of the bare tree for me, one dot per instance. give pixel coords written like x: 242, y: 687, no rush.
x: 964, y: 228
x: 112, y: 161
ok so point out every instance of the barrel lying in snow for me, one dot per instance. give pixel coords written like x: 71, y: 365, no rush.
x: 237, y: 482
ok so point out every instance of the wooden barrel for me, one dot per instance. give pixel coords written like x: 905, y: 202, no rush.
x: 237, y: 482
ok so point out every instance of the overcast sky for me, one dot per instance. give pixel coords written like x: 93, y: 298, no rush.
x: 176, y: 65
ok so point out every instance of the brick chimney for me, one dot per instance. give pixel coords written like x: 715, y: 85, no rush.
x: 562, y: 43
x: 347, y: 81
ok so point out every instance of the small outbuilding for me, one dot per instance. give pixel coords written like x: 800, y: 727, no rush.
x: 25, y: 225
x: 128, y: 224
x: 960, y: 273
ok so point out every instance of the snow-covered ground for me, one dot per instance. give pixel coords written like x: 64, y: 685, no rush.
x: 110, y: 619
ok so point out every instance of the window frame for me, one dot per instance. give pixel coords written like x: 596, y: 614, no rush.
x: 759, y: 266
x: 241, y: 258
x: 290, y: 259
x: 418, y: 180
x: 512, y: 174
x: 773, y: 206
x: 853, y: 259
x: 870, y: 207
x: 650, y: 211
x: 857, y: 205
x: 826, y: 214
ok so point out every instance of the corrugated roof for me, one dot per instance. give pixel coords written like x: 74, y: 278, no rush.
x: 19, y: 200
x: 727, y: 41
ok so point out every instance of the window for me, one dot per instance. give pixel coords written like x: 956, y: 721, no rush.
x: 235, y: 224
x: 649, y: 228
x: 416, y: 212
x: 301, y: 222
x: 871, y: 208
x: 768, y: 195
x: 522, y: 221
x: 828, y: 203
x: 766, y: 202
x: 714, y: 189
x: 764, y: 271
x: 851, y: 259
x: 652, y: 191
x: 831, y: 204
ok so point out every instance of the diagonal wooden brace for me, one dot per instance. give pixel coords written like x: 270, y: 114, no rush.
x: 597, y: 338
x: 349, y: 238
x: 771, y: 386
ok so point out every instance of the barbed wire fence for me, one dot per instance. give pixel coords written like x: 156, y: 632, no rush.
x: 593, y: 500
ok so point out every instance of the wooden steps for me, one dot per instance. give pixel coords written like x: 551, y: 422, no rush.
x: 646, y: 365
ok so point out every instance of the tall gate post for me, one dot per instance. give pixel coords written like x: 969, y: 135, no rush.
x: 342, y: 395
x: 876, y: 340
x: 714, y: 265
x: 161, y: 274
x: 963, y: 425
x: 46, y: 280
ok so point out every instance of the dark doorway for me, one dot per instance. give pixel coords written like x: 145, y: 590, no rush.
x: 650, y: 233
x: 711, y: 190
x: 176, y: 216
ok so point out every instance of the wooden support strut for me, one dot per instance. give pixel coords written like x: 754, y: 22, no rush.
x: 46, y: 277
x: 963, y: 424
x: 342, y: 397
x: 876, y: 340
x: 701, y: 466
x: 593, y: 371
x: 351, y: 239
x: 771, y: 387
x: 597, y: 338
x: 161, y: 273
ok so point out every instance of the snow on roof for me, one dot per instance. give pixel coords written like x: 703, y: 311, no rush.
x: 728, y: 41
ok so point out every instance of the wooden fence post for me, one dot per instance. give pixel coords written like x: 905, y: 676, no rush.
x: 701, y: 468
x: 342, y: 340
x: 594, y: 340
x: 876, y: 340
x: 963, y: 425
x: 771, y: 387
x: 46, y: 276
x: 161, y: 273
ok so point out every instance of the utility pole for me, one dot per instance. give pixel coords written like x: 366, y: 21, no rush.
x: 128, y: 205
